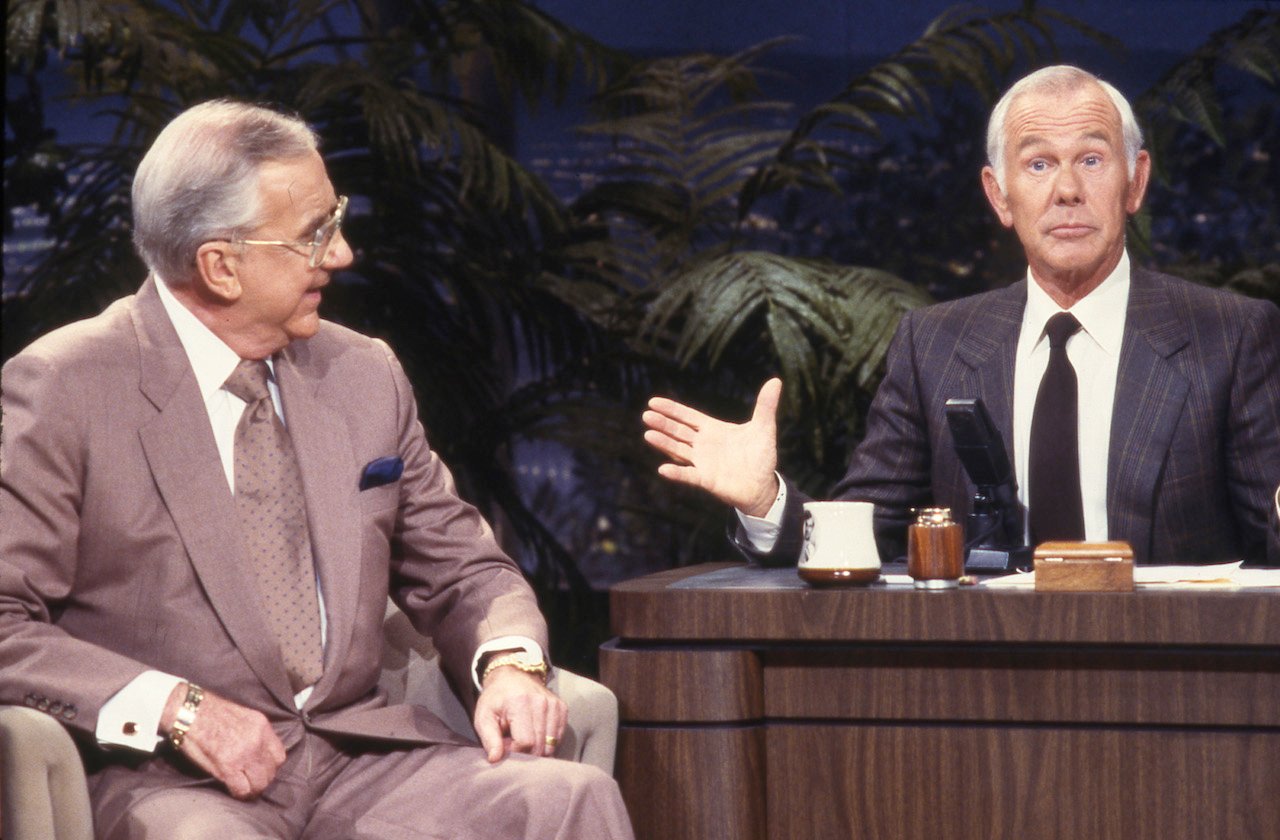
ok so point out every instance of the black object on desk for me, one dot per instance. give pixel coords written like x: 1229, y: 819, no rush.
x: 994, y: 529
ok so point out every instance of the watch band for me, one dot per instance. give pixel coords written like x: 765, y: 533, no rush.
x: 520, y: 660
x: 186, y: 716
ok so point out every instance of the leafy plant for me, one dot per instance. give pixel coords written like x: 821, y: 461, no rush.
x: 448, y: 227
x: 964, y: 47
x: 690, y: 266
x: 725, y: 238
x: 1213, y: 214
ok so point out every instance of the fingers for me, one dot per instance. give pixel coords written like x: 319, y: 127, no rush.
x: 558, y: 719
x: 489, y: 731
x: 537, y: 722
x: 664, y: 425
x: 238, y: 786
x: 518, y: 706
x: 766, y: 409
x: 528, y: 724
x: 679, y: 412
x: 235, y: 745
x: 672, y: 448
x: 681, y: 473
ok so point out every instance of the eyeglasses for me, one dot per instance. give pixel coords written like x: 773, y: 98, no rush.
x: 320, y: 240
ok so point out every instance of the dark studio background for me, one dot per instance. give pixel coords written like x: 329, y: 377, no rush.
x: 560, y: 208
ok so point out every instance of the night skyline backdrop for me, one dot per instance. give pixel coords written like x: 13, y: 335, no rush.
x: 858, y: 29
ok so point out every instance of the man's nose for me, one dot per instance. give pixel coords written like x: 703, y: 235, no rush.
x: 1067, y: 187
x: 339, y: 255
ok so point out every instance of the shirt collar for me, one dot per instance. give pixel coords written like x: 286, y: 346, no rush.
x: 212, y: 360
x: 1101, y: 313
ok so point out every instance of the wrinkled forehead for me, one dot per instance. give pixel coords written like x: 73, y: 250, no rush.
x: 296, y: 191
x: 1083, y: 111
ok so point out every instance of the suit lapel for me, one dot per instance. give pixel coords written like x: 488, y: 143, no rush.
x: 185, y: 466
x: 329, y: 478
x: 1150, y: 394
x: 989, y: 347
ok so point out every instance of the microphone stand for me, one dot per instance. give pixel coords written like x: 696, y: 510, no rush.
x: 994, y: 529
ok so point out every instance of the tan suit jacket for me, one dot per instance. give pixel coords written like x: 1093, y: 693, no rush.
x: 119, y: 550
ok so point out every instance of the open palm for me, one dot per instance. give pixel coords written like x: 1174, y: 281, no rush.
x: 735, y: 462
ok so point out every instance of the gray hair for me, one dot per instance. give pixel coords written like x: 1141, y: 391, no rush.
x: 1059, y: 79
x: 199, y: 180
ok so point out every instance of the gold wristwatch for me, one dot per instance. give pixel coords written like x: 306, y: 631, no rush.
x: 186, y: 715
x: 522, y: 659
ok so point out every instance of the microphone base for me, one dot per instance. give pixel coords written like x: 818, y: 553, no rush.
x: 985, y: 560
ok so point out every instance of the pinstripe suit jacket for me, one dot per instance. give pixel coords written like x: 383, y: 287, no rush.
x: 1195, y: 434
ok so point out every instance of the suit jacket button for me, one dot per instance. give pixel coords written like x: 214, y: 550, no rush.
x: 69, y: 712
x: 55, y: 708
x: 43, y: 704
x: 31, y: 700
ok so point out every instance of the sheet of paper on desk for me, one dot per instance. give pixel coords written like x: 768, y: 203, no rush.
x: 1191, y: 577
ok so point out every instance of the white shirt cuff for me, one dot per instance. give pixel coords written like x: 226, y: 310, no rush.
x: 131, y: 717
x: 762, y: 531
x: 503, y: 643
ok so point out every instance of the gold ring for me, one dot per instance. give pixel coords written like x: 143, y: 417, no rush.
x: 553, y: 741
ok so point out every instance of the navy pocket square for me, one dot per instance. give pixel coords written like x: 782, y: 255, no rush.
x: 381, y: 471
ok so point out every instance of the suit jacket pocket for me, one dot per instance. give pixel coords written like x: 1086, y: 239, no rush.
x: 380, y: 498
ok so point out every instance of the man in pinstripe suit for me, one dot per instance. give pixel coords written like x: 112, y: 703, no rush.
x: 1178, y: 385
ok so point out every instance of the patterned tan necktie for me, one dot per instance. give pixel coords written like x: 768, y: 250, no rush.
x: 274, y: 522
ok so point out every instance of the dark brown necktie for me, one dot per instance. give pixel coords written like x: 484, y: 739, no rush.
x: 1056, y: 510
x: 273, y: 519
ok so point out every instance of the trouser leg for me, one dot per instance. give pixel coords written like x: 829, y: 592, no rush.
x: 448, y: 791
x: 324, y: 792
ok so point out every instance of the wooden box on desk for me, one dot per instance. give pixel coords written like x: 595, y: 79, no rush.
x: 1084, y: 567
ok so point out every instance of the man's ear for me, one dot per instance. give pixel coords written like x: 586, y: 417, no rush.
x: 1138, y: 183
x: 217, y: 270
x: 999, y: 202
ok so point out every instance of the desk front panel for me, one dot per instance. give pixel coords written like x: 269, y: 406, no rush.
x: 929, y: 782
x: 1023, y: 684
x: 895, y: 714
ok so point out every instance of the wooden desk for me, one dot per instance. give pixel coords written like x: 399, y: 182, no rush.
x: 756, y: 707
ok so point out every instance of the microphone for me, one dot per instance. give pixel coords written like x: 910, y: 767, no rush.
x: 995, y: 527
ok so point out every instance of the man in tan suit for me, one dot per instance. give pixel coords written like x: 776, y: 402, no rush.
x: 129, y: 608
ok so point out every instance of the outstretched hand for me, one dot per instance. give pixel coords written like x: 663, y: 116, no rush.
x: 735, y: 462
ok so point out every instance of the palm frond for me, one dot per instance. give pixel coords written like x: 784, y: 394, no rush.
x: 965, y: 46
x: 1186, y: 94
x: 688, y: 132
x: 805, y: 310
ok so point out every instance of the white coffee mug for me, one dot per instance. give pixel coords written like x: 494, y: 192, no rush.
x: 839, y: 543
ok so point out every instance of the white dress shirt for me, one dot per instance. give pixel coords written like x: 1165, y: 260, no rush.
x: 1094, y: 352
x: 131, y: 717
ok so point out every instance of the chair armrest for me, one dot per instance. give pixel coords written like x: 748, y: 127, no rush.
x: 592, y: 734
x: 411, y: 673
x: 43, y: 793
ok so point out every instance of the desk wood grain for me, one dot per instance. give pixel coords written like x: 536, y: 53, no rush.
x: 1015, y: 783
x: 670, y: 607
x: 754, y: 706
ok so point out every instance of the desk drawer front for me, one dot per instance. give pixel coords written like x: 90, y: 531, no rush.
x: 1110, y: 686
x: 656, y: 685
x: 1001, y: 783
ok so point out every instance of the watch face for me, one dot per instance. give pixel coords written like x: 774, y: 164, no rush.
x: 532, y: 664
